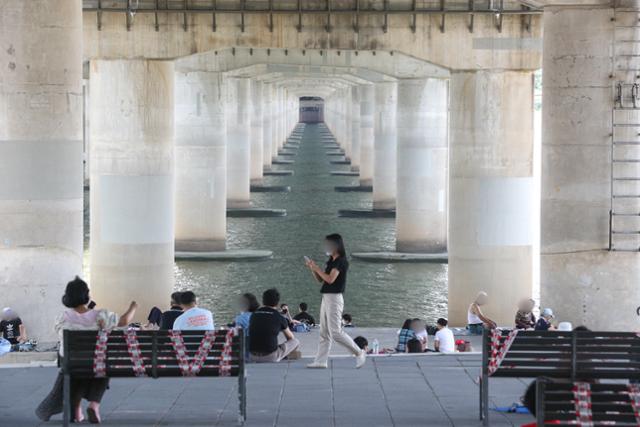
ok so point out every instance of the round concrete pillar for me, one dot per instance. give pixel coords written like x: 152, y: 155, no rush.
x: 257, y: 145
x: 580, y: 278
x: 267, y: 123
x: 355, y: 128
x: 367, y: 101
x: 238, y: 142
x: 275, y: 122
x: 421, y: 208
x: 491, y: 208
x: 385, y: 145
x: 132, y: 183
x: 201, y: 162
x: 40, y: 157
x: 345, y: 105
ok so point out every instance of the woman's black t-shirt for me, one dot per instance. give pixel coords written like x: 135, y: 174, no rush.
x: 337, y: 287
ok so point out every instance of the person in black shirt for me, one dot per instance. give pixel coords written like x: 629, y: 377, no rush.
x: 12, y: 328
x: 333, y: 280
x: 169, y: 316
x: 304, y: 316
x: 264, y: 328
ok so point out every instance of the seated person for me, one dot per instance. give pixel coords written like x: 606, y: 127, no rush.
x: 476, y: 320
x: 264, y: 328
x: 404, y: 335
x: 347, y: 321
x: 420, y: 331
x: 193, y: 317
x: 444, y: 342
x: 12, y: 328
x: 304, y: 316
x: 362, y: 343
x: 525, y: 319
x: 544, y: 322
x: 414, y: 345
x: 175, y: 310
x: 248, y: 303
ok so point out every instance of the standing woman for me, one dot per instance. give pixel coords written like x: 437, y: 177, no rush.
x: 333, y: 279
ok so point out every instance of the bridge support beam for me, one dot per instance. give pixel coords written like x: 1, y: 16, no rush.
x: 201, y: 162
x: 238, y: 142
x: 132, y: 183
x: 491, y: 210
x: 40, y: 157
x: 367, y: 102
x: 385, y: 145
x: 257, y: 120
x: 421, y: 212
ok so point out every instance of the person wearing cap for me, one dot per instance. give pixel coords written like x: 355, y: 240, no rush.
x: 12, y: 328
x: 544, y: 322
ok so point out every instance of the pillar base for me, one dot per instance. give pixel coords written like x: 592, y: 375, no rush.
x: 237, y: 204
x: 421, y: 247
x: 200, y: 245
x: 384, y: 205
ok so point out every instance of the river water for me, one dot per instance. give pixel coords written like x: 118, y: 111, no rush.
x: 378, y: 294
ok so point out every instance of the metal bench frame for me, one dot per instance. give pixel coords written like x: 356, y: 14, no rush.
x: 572, y: 361
x: 238, y: 346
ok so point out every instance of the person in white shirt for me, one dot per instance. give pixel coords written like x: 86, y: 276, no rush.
x: 444, y: 341
x: 420, y: 331
x: 193, y: 318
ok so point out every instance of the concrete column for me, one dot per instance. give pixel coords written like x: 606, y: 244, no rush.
x: 267, y: 123
x: 201, y: 162
x: 238, y: 142
x: 491, y: 211
x: 132, y: 183
x: 355, y: 128
x: 421, y: 211
x: 257, y: 145
x: 346, y: 114
x: 580, y: 279
x: 274, y: 122
x: 40, y: 157
x: 367, y: 101
x: 385, y: 145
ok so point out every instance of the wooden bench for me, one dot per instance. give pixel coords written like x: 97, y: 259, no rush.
x: 569, y: 355
x: 578, y: 403
x: 154, y: 354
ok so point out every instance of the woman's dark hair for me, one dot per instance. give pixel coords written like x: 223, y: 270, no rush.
x: 76, y: 293
x: 361, y: 342
x: 336, y: 239
x: 414, y: 346
x: 252, y: 302
x: 406, y: 324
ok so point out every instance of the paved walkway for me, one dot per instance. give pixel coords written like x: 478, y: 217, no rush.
x: 430, y: 390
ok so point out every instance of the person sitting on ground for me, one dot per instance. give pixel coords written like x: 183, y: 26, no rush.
x: 79, y: 316
x: 544, y: 322
x: 347, y: 321
x: 404, y: 335
x: 444, y: 342
x: 476, y: 320
x: 525, y: 319
x: 248, y: 304
x: 13, y: 330
x: 419, y: 329
x: 304, y: 316
x: 363, y: 343
x: 175, y: 310
x: 264, y: 328
x: 193, y: 317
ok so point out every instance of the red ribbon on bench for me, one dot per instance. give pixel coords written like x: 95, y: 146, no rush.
x: 224, y: 366
x: 499, y: 351
x: 634, y: 397
x: 193, y: 367
x: 133, y: 347
x: 582, y: 401
x: 100, y: 354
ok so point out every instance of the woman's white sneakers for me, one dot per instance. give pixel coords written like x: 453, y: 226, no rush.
x: 316, y: 365
x: 361, y: 359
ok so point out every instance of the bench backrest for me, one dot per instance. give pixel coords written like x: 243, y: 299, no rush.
x: 575, y: 354
x: 569, y: 402
x: 154, y: 353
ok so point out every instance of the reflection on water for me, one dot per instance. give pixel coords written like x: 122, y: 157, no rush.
x: 377, y: 294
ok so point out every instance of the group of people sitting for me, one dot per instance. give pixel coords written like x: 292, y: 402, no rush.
x: 525, y: 319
